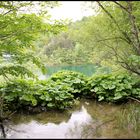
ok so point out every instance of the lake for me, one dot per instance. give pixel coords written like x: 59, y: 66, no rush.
x: 87, y: 69
x: 89, y: 119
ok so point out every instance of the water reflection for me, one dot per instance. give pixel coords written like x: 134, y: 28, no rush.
x: 35, y: 129
x: 42, y: 77
x: 88, y: 120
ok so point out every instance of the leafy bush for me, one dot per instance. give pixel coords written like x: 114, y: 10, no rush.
x: 56, y: 95
x: 75, y: 80
x: 61, y: 90
x: 21, y: 93
x: 113, y: 87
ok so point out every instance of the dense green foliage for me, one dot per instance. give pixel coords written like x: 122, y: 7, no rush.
x: 20, y: 26
x: 75, y: 80
x: 18, y: 31
x: 114, y: 87
x: 24, y: 93
x: 62, y: 89
x: 58, y: 92
x: 102, y: 40
x: 29, y: 40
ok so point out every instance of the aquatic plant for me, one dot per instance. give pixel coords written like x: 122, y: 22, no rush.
x: 62, y: 89
x: 113, y: 87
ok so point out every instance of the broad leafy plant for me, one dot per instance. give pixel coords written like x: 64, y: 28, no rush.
x: 113, y: 87
x: 75, y: 80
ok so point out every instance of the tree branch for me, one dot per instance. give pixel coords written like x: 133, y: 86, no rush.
x: 121, y: 6
x: 134, y: 99
x: 113, y: 19
x: 100, y: 5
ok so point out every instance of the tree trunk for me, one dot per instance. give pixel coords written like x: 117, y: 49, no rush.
x: 2, y: 129
x: 134, y: 28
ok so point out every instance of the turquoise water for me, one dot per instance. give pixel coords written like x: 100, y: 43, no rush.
x: 87, y: 69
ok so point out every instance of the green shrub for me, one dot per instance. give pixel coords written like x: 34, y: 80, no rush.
x: 56, y: 95
x: 113, y: 87
x: 21, y: 93
x: 75, y: 80
x: 61, y: 90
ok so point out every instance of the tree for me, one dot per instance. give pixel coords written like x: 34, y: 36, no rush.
x: 19, y: 28
x: 18, y: 31
x: 125, y: 20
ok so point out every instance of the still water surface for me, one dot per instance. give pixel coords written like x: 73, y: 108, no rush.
x: 87, y: 120
x: 87, y: 69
